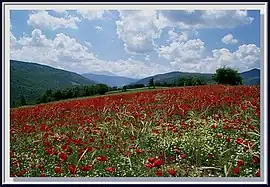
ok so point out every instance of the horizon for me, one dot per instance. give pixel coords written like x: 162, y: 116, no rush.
x: 137, y: 44
x: 123, y: 76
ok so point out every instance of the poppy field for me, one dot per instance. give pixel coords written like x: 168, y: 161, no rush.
x: 199, y: 131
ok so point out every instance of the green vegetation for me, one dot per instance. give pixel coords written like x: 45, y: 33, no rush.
x: 227, y: 76
x: 29, y: 80
x: 68, y: 93
x: 151, y: 83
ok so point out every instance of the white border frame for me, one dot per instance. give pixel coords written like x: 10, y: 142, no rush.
x: 6, y: 7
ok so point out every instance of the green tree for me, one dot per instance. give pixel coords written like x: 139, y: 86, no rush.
x: 124, y: 89
x: 151, y: 83
x: 228, y: 76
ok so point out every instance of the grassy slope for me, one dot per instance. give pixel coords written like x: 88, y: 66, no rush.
x: 30, y: 80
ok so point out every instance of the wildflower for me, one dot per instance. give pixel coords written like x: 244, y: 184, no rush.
x: 110, y: 169
x: 158, y: 173
x: 72, y: 169
x: 172, y: 172
x: 183, y: 156
x: 240, y: 163
x: 57, y: 170
x: 255, y: 159
x: 236, y: 170
x: 63, y: 156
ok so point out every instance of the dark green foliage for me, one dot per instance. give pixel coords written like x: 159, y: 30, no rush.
x: 74, y: 92
x: 133, y: 86
x: 23, y: 102
x: 31, y: 80
x: 151, y: 83
x: 124, y: 89
x: 227, y: 76
x: 184, y: 81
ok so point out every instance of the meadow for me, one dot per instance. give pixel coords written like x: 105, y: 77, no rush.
x: 198, y: 131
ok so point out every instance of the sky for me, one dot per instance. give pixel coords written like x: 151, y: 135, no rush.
x: 137, y: 43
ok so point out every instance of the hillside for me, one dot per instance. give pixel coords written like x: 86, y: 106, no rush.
x: 172, y: 76
x: 31, y: 79
x: 251, y: 77
x: 109, y: 80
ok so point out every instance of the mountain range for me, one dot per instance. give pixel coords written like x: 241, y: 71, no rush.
x: 31, y: 79
x: 251, y: 77
x: 110, y: 80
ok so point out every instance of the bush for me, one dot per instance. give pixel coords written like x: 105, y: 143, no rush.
x: 227, y: 76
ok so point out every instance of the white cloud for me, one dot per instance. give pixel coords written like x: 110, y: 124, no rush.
x: 43, y: 20
x: 138, y: 29
x: 92, y: 14
x: 99, y: 28
x: 177, y: 37
x: 206, y: 18
x: 183, y: 52
x: 228, y: 39
x: 246, y: 57
x: 67, y: 53
x: 61, y: 11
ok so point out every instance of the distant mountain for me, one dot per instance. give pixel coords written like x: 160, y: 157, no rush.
x: 251, y: 77
x: 103, y: 73
x: 172, y: 76
x: 31, y: 79
x: 109, y: 80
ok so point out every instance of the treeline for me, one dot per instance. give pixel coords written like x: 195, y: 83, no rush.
x: 74, y: 92
x: 182, y: 81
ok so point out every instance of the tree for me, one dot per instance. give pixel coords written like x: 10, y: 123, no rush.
x: 124, y: 89
x: 227, y: 76
x: 151, y: 83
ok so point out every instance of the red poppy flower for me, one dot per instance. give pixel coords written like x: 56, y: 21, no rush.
x: 255, y: 159
x: 240, y: 163
x: 157, y: 163
x: 258, y: 174
x: 110, y: 169
x: 236, y: 170
x: 239, y: 141
x: 72, y: 169
x: 152, y: 160
x: 214, y: 126
x: 148, y: 166
x: 183, y: 156
x: 64, y: 147
x: 102, y: 158
x: 63, y: 156
x: 172, y: 172
x: 159, y: 173
x: 57, y: 170
x: 228, y: 140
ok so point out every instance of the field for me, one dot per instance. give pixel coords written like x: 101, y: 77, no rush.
x: 204, y: 131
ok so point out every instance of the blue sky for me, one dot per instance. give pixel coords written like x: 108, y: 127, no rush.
x: 137, y: 43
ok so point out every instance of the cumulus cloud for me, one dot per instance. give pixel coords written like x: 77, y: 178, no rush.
x: 183, y: 52
x: 138, y: 29
x: 199, y: 19
x: 67, y: 53
x: 228, y: 39
x: 189, y: 56
x: 43, y: 20
x: 92, y: 14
